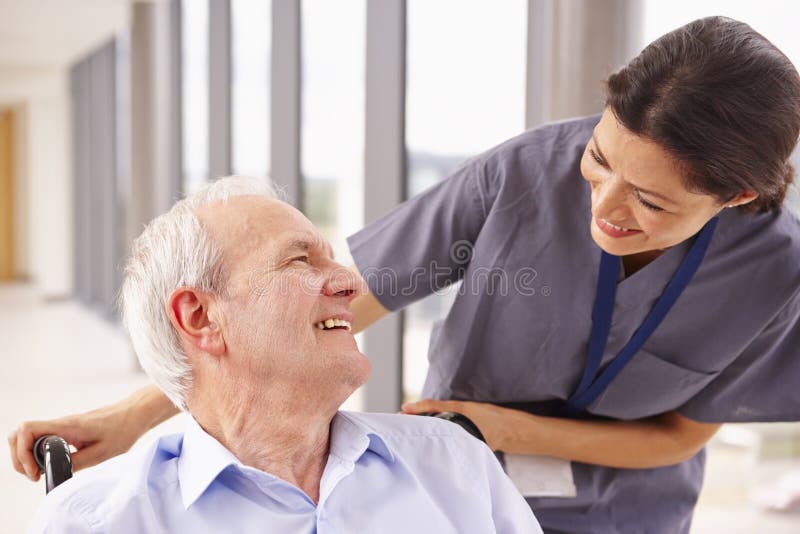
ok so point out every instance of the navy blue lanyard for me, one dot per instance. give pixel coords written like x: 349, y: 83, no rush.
x: 591, y: 385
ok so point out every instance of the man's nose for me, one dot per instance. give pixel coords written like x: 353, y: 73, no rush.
x: 343, y: 282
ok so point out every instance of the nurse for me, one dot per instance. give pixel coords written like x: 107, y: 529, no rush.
x: 631, y: 283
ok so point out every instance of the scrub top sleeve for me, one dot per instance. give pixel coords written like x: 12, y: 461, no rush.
x: 761, y: 385
x: 425, y: 243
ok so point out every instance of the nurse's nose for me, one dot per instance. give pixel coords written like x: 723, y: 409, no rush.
x: 609, y: 200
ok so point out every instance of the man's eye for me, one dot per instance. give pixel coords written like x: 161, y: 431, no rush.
x: 304, y: 259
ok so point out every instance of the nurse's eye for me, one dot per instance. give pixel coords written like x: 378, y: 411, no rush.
x: 646, y: 204
x: 597, y: 158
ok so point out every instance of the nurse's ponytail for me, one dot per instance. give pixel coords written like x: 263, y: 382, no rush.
x: 723, y: 100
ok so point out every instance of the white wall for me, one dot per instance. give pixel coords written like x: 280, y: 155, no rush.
x: 50, y: 195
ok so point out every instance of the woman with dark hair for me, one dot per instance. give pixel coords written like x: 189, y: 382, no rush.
x: 652, y: 286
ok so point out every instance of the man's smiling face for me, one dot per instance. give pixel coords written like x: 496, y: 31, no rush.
x: 282, y: 284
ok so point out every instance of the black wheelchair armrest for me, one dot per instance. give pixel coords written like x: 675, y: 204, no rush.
x: 54, y: 460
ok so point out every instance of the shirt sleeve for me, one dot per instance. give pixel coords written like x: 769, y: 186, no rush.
x: 61, y: 516
x: 497, y: 494
x: 761, y: 384
x: 425, y: 243
x: 510, y: 512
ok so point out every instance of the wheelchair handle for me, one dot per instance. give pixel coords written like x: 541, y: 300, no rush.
x: 54, y: 460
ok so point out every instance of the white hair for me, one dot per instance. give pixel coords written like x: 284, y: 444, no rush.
x: 173, y: 251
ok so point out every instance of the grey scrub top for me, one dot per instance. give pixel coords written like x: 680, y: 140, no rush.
x: 513, y: 224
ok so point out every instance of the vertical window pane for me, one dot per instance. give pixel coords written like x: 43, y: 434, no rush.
x: 251, y: 33
x: 333, y: 117
x: 465, y: 94
x: 194, y: 35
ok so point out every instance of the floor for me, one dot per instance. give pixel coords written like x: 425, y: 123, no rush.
x: 60, y: 358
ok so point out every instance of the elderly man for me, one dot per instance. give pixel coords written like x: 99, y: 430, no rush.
x: 238, y: 312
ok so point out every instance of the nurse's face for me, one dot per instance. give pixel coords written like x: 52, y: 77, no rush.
x: 639, y: 199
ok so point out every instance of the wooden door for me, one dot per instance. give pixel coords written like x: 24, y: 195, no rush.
x: 6, y: 195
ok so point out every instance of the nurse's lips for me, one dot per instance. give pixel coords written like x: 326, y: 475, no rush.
x: 614, y: 231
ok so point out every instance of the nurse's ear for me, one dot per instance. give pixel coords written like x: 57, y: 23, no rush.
x: 745, y: 197
x: 192, y: 314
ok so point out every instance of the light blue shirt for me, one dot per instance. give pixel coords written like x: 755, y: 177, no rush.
x: 385, y: 473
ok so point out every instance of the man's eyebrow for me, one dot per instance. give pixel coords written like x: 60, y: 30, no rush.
x: 295, y: 244
x: 640, y: 189
x: 304, y: 244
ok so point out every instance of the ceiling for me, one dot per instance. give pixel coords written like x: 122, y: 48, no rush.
x: 38, y: 35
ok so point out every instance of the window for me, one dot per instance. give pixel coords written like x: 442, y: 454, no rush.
x: 194, y: 53
x: 333, y: 117
x: 250, y: 36
x: 465, y: 94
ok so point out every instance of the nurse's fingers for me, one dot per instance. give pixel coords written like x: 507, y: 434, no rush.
x: 12, y: 448
x: 430, y: 405
x: 21, y: 444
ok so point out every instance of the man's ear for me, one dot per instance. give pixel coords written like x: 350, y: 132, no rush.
x: 188, y: 311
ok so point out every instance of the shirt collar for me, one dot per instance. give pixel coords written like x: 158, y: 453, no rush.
x: 203, y: 458
x: 351, y: 437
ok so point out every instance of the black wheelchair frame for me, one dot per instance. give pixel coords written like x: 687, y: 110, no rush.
x: 54, y: 460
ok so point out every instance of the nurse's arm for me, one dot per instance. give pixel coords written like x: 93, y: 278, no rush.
x: 657, y: 441
x: 365, y: 308
x: 97, y: 435
x: 666, y: 439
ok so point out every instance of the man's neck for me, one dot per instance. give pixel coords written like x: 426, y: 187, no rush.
x: 285, y: 440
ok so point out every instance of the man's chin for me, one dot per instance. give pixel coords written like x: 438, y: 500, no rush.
x: 356, y: 370
x: 351, y: 379
x: 364, y: 371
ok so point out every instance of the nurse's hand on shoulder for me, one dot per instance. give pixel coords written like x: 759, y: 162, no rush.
x: 494, y: 422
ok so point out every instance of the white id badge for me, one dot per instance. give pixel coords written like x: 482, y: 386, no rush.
x: 540, y: 476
